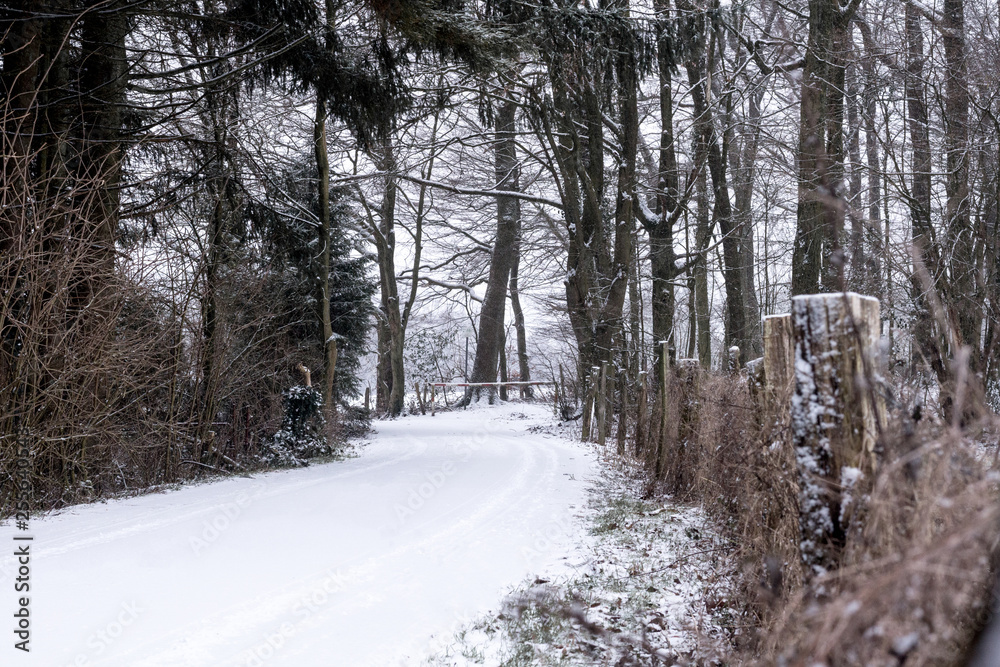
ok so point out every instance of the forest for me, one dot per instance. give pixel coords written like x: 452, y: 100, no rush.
x: 234, y: 233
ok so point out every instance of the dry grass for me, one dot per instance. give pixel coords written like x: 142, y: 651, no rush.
x: 917, y: 571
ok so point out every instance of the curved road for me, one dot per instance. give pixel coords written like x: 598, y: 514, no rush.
x: 365, y: 562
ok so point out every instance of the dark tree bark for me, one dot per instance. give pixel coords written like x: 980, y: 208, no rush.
x: 329, y: 343
x: 734, y: 242
x: 21, y: 48
x: 817, y: 259
x: 627, y: 199
x: 855, y: 200
x: 491, y: 316
x: 928, y: 342
x: 699, y: 268
x: 958, y: 227
x: 661, y: 229
x: 391, y: 389
x: 524, y: 368
x: 599, y: 254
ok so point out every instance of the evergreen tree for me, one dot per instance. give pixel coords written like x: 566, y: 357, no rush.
x: 286, y: 224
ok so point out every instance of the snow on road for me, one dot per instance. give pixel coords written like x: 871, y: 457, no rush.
x: 361, y: 562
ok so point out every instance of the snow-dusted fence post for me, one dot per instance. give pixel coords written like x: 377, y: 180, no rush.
x: 779, y: 362
x: 733, y: 360
x: 368, y: 399
x: 836, y: 414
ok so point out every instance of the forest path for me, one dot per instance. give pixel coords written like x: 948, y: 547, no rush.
x: 368, y: 561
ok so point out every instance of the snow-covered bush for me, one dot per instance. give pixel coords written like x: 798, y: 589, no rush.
x: 301, y: 434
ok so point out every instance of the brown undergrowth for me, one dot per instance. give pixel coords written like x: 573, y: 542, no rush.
x: 917, y: 569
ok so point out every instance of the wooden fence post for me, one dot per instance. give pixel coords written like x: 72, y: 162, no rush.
x: 368, y: 399
x: 836, y: 414
x: 733, y: 360
x: 433, y: 400
x: 779, y: 363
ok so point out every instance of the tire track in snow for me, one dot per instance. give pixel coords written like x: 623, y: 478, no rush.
x: 265, y: 612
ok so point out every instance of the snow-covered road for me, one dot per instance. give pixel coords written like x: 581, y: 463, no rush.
x: 363, y: 562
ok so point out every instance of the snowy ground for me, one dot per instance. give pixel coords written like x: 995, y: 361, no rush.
x: 369, y: 561
x: 651, y: 584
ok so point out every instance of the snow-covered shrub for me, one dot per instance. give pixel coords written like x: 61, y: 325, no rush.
x: 301, y: 434
x: 430, y: 354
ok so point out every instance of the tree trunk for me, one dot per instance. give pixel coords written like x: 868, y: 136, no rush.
x: 734, y: 243
x: 927, y: 342
x: 220, y: 113
x: 699, y: 269
x: 524, y: 369
x: 820, y: 213
x: 857, y: 276
x: 958, y: 226
x: 328, y: 344
x: 599, y: 254
x: 743, y: 218
x: 392, y: 387
x: 872, y: 240
x: 491, y: 316
x: 661, y: 234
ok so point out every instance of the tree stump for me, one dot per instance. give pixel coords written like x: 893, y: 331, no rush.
x: 836, y: 415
